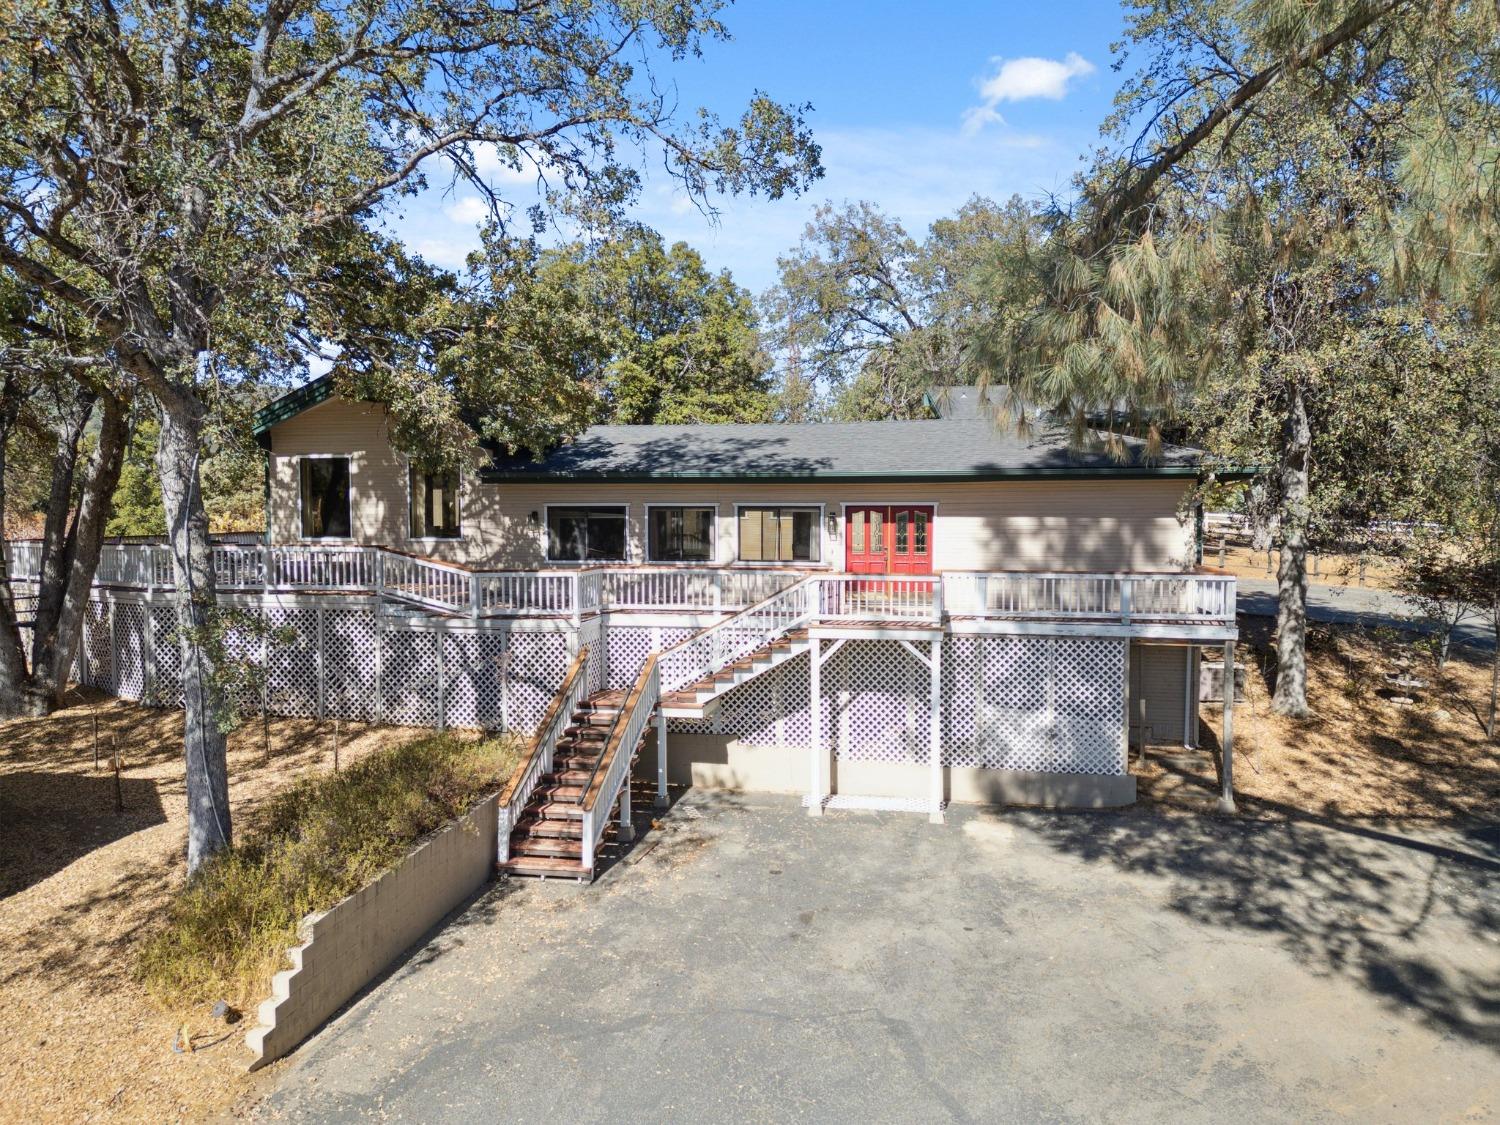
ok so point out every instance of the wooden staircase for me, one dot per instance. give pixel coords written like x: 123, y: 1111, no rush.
x: 693, y: 701
x: 547, y: 841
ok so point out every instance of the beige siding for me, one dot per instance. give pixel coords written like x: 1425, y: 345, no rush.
x: 1006, y: 525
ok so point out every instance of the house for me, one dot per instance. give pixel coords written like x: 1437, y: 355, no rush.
x: 884, y: 615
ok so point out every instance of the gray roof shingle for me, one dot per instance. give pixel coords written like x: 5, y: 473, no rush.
x: 938, y: 449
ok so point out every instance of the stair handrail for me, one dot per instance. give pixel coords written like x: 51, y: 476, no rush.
x: 540, y: 754
x: 782, y: 612
x: 612, y: 769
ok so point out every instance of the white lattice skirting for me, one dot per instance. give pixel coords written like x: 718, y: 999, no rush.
x: 1027, y: 704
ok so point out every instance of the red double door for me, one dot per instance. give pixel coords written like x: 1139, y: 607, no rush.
x: 888, y: 538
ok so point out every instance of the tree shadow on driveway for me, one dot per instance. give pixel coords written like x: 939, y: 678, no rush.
x: 1412, y: 920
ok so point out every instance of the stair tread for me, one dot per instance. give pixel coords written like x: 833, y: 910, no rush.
x: 554, y: 810
x: 538, y: 846
x: 548, y: 829
x: 546, y: 865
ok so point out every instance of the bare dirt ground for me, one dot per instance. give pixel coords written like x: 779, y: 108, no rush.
x: 1363, y: 754
x: 80, y: 884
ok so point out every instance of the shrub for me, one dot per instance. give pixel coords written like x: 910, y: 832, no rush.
x: 310, y: 846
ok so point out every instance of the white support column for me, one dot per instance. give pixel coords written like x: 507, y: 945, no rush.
x: 817, y: 789
x: 1128, y: 701
x: 1187, y: 698
x: 322, y: 666
x: 1226, y: 796
x: 661, y: 759
x: 935, y: 733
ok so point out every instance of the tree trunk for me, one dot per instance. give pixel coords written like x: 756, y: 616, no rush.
x: 60, y: 614
x: 177, y: 463
x: 33, y: 682
x: 1291, y: 576
x: 1489, y: 727
x: 13, y: 669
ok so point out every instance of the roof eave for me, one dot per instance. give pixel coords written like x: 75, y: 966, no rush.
x: 498, y: 476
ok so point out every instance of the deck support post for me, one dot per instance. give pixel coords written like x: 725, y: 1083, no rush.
x: 661, y: 759
x: 627, y: 821
x: 1187, y: 697
x: 1226, y: 795
x: 818, y: 787
x: 935, y: 733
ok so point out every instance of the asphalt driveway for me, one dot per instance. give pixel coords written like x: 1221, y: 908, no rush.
x: 748, y: 963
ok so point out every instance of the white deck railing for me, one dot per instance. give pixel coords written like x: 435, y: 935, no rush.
x: 718, y: 646
x: 543, y: 750
x: 1091, y: 597
x: 575, y: 594
x: 612, y: 771
x: 898, y: 597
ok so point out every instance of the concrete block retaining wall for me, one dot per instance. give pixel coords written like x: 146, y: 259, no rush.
x: 350, y: 944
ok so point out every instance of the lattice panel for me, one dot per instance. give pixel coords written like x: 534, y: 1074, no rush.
x: 129, y: 655
x: 591, y: 634
x: 99, y: 645
x: 349, y: 665
x: 293, y: 662
x: 537, y: 665
x: 166, y: 657
x: 473, y: 667
x: 770, y: 710
x: 1049, y: 704
x: 409, y: 677
x: 245, y: 646
x: 628, y: 649
x: 877, y: 697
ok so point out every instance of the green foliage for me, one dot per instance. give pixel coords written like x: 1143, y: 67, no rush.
x: 871, y: 317
x: 233, y: 487
x: 316, y: 843
x: 683, y: 342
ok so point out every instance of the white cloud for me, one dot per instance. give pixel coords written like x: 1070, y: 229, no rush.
x: 1019, y: 80
x: 446, y: 252
x: 467, y: 209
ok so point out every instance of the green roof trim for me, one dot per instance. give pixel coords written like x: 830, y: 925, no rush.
x: 294, y: 402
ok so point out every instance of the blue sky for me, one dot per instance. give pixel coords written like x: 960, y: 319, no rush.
x: 915, y: 112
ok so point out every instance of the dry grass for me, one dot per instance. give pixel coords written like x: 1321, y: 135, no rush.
x: 1322, y: 570
x: 82, y: 885
x: 1361, y: 755
x: 306, y: 849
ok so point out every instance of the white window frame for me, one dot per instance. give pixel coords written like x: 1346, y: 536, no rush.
x: 458, y: 507
x: 823, y: 562
x: 844, y: 523
x: 713, y: 558
x: 547, y: 543
x: 297, y: 460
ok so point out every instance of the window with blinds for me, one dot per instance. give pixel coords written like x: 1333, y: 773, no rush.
x: 681, y: 535
x: 779, y: 535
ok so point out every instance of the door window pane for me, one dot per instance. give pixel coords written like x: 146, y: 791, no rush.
x: 857, y: 533
x: 434, y: 505
x: 877, y: 532
x: 681, y: 534
x: 902, y: 520
x: 325, y: 497
x: 586, y: 534
x: 779, y: 535
x: 919, y: 533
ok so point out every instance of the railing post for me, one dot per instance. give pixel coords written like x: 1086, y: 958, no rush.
x: 573, y: 590
x: 1127, y: 586
x: 265, y: 566
x: 661, y: 759
x: 474, y: 596
x: 937, y: 599
x: 587, y: 857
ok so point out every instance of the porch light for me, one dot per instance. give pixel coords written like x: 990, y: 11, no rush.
x: 833, y: 523
x: 533, y: 519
